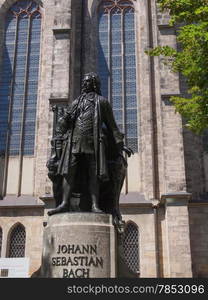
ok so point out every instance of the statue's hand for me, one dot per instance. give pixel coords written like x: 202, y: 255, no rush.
x: 51, y: 165
x: 128, y: 151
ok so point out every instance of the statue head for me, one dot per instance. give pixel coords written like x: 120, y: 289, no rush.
x: 91, y: 83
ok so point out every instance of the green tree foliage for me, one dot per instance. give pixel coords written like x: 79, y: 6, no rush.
x: 191, y: 20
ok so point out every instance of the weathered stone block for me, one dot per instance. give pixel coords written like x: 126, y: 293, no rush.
x: 79, y: 245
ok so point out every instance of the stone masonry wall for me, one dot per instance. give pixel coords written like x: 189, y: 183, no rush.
x: 32, y: 220
x: 142, y: 216
x: 198, y: 219
x: 190, y: 144
x: 54, y: 81
x: 173, y: 155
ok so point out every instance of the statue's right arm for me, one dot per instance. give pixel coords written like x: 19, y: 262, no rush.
x: 65, y: 122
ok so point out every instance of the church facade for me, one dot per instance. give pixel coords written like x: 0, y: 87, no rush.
x: 45, y: 49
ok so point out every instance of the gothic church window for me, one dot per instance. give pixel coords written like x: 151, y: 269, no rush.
x: 131, y: 247
x: 0, y: 240
x: 19, y: 79
x: 17, y: 241
x: 117, y: 64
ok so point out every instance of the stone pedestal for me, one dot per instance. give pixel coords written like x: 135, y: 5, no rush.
x: 79, y: 245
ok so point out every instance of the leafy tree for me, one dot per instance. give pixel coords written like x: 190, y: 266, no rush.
x: 191, y: 20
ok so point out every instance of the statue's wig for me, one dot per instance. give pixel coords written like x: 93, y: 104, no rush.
x: 95, y: 82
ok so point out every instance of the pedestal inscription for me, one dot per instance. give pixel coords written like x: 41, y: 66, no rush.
x: 79, y: 245
x: 83, y: 257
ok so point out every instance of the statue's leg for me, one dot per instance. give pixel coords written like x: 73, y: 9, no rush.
x: 67, y: 187
x: 94, y: 185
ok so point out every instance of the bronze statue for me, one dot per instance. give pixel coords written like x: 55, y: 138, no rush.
x: 87, y: 154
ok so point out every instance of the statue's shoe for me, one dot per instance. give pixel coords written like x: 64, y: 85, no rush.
x: 95, y: 209
x: 59, y: 209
